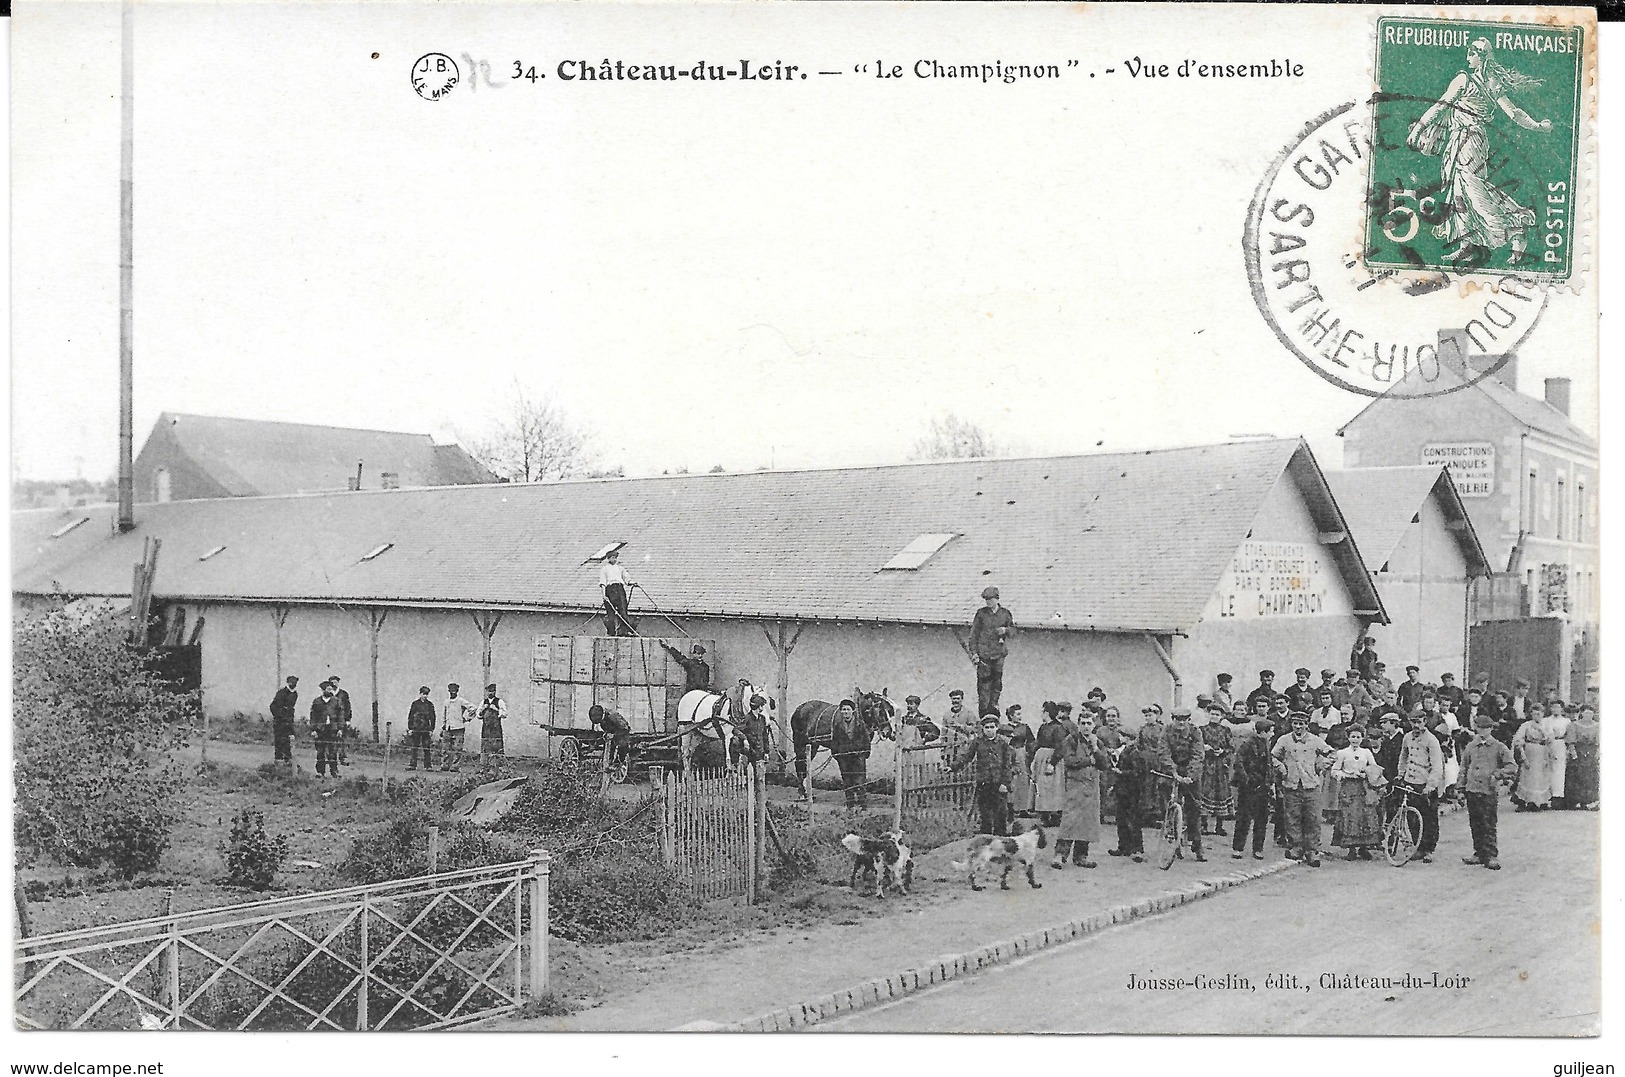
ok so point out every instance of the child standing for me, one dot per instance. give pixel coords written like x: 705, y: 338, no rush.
x: 1130, y: 773
x: 1484, y: 762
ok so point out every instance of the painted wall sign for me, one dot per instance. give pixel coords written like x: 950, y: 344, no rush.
x: 1276, y: 579
x: 1471, y: 463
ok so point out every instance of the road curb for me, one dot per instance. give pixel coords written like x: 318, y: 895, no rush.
x: 948, y: 967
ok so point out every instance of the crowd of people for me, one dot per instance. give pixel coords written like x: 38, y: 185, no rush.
x: 330, y: 726
x: 1345, y: 751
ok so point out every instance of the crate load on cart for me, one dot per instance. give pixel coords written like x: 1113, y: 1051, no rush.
x: 635, y: 676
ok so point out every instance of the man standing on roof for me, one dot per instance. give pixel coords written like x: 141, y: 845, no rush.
x: 617, y: 586
x: 696, y: 670
x: 990, y: 631
x: 282, y: 716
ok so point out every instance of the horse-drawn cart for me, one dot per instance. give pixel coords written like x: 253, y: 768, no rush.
x: 633, y: 676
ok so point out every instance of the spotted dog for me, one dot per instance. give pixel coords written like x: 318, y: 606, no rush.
x: 985, y: 850
x: 886, y: 856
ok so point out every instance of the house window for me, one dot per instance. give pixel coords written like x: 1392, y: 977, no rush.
x: 1528, y: 523
x: 1580, y: 512
x: 162, y: 484
x: 917, y: 553
x: 1561, y: 509
x: 390, y: 480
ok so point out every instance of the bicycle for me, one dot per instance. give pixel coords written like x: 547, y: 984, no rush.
x: 1403, y: 830
x: 1171, y: 838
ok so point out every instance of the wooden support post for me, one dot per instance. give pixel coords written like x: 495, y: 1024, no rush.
x: 486, y: 621
x: 434, y: 849
x: 375, y: 619
x: 279, y: 618
x: 537, y: 879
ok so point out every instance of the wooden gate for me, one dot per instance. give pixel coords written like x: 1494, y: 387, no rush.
x: 1529, y: 647
x: 711, y: 830
x: 925, y: 785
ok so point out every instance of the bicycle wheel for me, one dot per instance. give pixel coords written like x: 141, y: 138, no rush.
x: 1398, y: 841
x: 1168, y: 836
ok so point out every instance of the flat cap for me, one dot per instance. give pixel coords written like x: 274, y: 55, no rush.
x: 990, y: 592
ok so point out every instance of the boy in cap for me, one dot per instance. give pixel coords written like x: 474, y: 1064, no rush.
x: 1486, y: 764
x: 990, y: 631
x: 1253, y: 777
x: 995, y: 766
x: 420, y: 721
x: 696, y: 670
x: 1299, y: 760
x: 1409, y: 693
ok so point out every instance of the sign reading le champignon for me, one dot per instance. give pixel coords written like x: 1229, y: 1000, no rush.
x: 1274, y: 579
x: 1471, y: 464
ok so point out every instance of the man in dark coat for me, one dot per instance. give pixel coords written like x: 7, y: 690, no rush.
x: 1254, y: 779
x: 617, y: 730
x: 1265, y: 689
x: 750, y: 741
x: 1364, y: 658
x: 1449, y: 692
x: 849, y: 743
x: 328, y: 729
x: 1300, y: 695
x: 1410, y: 690
x: 420, y: 723
x: 343, y: 715
x: 1186, y: 750
x: 990, y: 632
x: 995, y: 762
x: 282, y: 717
x: 696, y: 670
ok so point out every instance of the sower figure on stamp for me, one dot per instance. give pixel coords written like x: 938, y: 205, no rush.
x: 325, y: 725
x: 616, y: 585
x: 459, y: 710
x: 420, y: 722
x: 696, y: 670
x: 995, y: 762
x: 282, y: 717
x: 990, y: 631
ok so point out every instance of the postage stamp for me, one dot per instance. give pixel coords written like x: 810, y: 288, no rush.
x: 1474, y: 149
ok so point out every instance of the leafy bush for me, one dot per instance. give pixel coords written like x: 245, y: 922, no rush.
x: 400, y: 850
x: 614, y: 897
x: 95, y: 727
x: 253, y: 857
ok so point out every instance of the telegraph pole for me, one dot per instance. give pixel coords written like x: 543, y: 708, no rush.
x: 126, y: 275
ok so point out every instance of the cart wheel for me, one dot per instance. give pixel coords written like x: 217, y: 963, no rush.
x: 570, y: 753
x: 620, y: 771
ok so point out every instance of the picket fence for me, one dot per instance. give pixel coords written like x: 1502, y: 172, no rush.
x: 712, y: 830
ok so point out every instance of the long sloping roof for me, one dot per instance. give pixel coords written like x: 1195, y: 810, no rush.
x: 1527, y: 410
x: 1380, y: 503
x: 1133, y: 541
x: 253, y: 457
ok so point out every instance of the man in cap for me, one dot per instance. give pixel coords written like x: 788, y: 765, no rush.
x: 1469, y: 708
x: 1187, y: 751
x: 325, y: 724
x: 850, y: 743
x: 420, y: 723
x: 1299, y: 759
x: 617, y: 731
x: 1343, y: 688
x: 1253, y: 778
x: 696, y: 670
x: 1328, y: 682
x: 343, y: 713
x: 1300, y: 695
x: 1221, y: 694
x: 995, y: 762
x: 957, y: 726
x: 283, y: 712
x: 1486, y: 764
x: 1519, y: 704
x: 990, y: 631
x: 616, y: 586
x: 750, y: 741
x: 1364, y: 657
x: 1383, y: 684
x: 492, y: 711
x: 459, y: 710
x: 1421, y: 770
x: 1265, y: 689
x: 1449, y: 693
x: 1409, y: 692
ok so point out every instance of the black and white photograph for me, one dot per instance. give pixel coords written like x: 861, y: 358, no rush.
x: 912, y: 518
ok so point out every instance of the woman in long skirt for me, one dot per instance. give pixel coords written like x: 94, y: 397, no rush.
x: 1532, y: 749
x: 1556, y: 727
x: 1359, y: 821
x: 1020, y: 737
x: 1084, y: 760
x: 1215, y: 794
x: 1581, y: 787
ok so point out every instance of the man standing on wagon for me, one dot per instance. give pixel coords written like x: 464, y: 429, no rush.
x: 696, y: 670
x: 990, y: 631
x: 616, y: 585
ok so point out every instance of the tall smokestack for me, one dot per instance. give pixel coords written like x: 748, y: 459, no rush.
x: 1557, y: 394
x: 126, y: 275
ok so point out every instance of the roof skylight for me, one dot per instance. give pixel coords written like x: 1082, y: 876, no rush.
x: 918, y: 552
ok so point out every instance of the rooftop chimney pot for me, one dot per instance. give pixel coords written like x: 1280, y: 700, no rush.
x: 1557, y: 394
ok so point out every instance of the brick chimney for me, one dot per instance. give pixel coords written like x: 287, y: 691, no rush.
x: 1557, y: 394
x: 1455, y: 351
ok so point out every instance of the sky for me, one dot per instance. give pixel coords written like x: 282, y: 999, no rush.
x: 790, y: 274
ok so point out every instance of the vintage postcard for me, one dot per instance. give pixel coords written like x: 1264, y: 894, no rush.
x: 734, y: 517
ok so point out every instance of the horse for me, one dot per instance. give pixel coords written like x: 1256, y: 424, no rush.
x: 812, y: 724
x: 705, y: 717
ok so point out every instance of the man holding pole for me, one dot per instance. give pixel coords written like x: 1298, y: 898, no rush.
x: 617, y: 586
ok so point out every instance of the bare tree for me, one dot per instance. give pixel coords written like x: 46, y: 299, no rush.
x: 953, y: 438
x: 535, y: 442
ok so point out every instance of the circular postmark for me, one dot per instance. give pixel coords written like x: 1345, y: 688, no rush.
x: 1370, y: 330
x: 434, y: 74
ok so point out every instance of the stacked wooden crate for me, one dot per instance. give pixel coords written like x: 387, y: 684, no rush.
x: 630, y: 674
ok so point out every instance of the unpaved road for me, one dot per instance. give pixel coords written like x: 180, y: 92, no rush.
x: 1516, y: 952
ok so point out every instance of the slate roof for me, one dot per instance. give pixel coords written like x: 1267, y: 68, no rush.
x: 1131, y: 541
x: 1526, y: 410
x: 252, y: 457
x: 1380, y: 502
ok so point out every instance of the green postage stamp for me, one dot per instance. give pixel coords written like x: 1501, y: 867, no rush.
x: 1474, y: 147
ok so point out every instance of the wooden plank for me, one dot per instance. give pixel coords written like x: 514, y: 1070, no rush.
x: 581, y: 659
x: 558, y: 660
